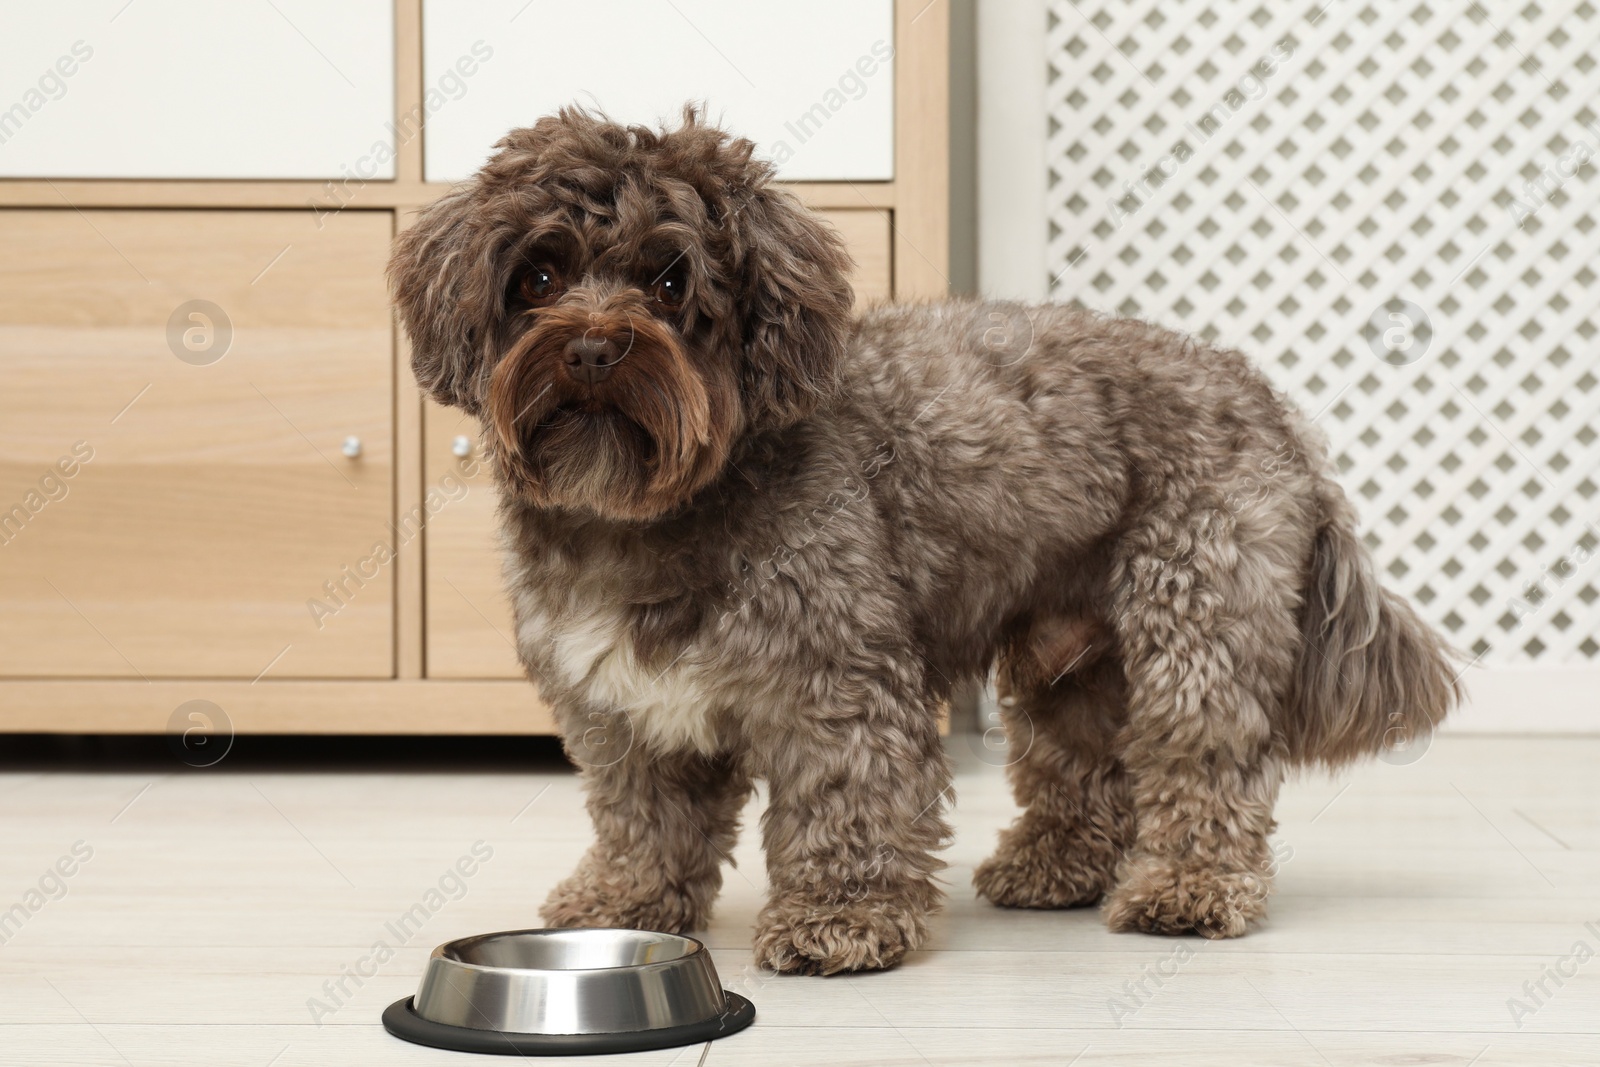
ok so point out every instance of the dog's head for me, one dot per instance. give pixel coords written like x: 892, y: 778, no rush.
x: 619, y: 306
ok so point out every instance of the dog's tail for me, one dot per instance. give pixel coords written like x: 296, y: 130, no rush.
x: 1372, y: 675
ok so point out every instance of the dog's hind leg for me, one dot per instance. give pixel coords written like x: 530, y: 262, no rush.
x: 1206, y: 623
x: 1062, y: 702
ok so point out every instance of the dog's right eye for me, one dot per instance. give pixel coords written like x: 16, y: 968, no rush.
x: 540, y: 286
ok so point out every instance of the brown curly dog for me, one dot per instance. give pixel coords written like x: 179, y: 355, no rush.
x: 753, y: 535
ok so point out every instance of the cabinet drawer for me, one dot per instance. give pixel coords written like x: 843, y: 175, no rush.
x: 469, y: 628
x: 179, y: 89
x: 812, y: 84
x: 174, y: 496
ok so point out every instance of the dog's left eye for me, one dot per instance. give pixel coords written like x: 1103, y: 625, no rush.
x: 670, y: 288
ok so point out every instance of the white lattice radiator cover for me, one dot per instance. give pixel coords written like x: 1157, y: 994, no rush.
x: 1391, y: 206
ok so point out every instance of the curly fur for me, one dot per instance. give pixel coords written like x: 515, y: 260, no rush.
x: 776, y: 536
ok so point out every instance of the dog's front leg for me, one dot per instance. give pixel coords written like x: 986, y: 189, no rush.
x: 853, y: 821
x: 664, y: 823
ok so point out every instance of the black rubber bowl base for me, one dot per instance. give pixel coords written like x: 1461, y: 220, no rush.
x: 401, y: 1021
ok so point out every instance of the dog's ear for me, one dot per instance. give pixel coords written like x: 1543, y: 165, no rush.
x: 796, y: 304
x: 440, y: 285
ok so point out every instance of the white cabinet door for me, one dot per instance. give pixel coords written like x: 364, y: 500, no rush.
x: 197, y: 89
x: 812, y: 84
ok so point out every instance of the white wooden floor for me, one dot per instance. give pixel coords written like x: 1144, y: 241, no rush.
x: 1415, y: 902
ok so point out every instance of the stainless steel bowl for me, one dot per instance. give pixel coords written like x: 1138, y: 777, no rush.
x: 564, y: 992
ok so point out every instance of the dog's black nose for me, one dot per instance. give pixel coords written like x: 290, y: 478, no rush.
x: 591, y: 357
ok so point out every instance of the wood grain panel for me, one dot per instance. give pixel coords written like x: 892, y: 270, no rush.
x: 277, y: 707
x: 922, y: 150
x: 215, y: 502
x: 469, y: 629
x: 324, y: 196
x: 866, y: 234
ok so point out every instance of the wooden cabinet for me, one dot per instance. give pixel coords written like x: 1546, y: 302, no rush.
x: 175, y: 490
x: 175, y: 526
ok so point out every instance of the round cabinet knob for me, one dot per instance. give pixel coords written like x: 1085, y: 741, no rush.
x: 462, y: 445
x: 352, y: 446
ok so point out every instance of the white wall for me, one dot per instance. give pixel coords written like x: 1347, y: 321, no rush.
x: 1011, y: 159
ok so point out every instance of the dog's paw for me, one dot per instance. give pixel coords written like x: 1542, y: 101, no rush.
x: 1046, y: 871
x: 582, y: 902
x: 795, y: 936
x: 1157, y: 895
